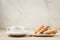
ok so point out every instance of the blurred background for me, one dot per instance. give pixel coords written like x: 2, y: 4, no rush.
x: 29, y: 13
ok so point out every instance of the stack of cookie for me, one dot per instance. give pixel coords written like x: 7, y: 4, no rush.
x: 45, y: 30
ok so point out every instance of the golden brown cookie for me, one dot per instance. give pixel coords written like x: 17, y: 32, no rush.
x: 38, y: 29
x: 52, y: 31
x: 44, y: 29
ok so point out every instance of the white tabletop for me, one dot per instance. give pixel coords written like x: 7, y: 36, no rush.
x: 4, y: 36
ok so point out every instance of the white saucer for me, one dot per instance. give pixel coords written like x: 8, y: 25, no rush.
x: 16, y: 33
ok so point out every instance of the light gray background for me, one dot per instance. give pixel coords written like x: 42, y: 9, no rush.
x: 29, y: 13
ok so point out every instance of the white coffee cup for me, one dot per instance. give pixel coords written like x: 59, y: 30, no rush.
x: 16, y: 30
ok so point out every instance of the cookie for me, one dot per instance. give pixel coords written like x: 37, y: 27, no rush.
x: 52, y: 31
x: 38, y: 29
x: 44, y: 29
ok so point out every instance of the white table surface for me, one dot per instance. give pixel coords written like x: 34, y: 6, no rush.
x: 4, y: 36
